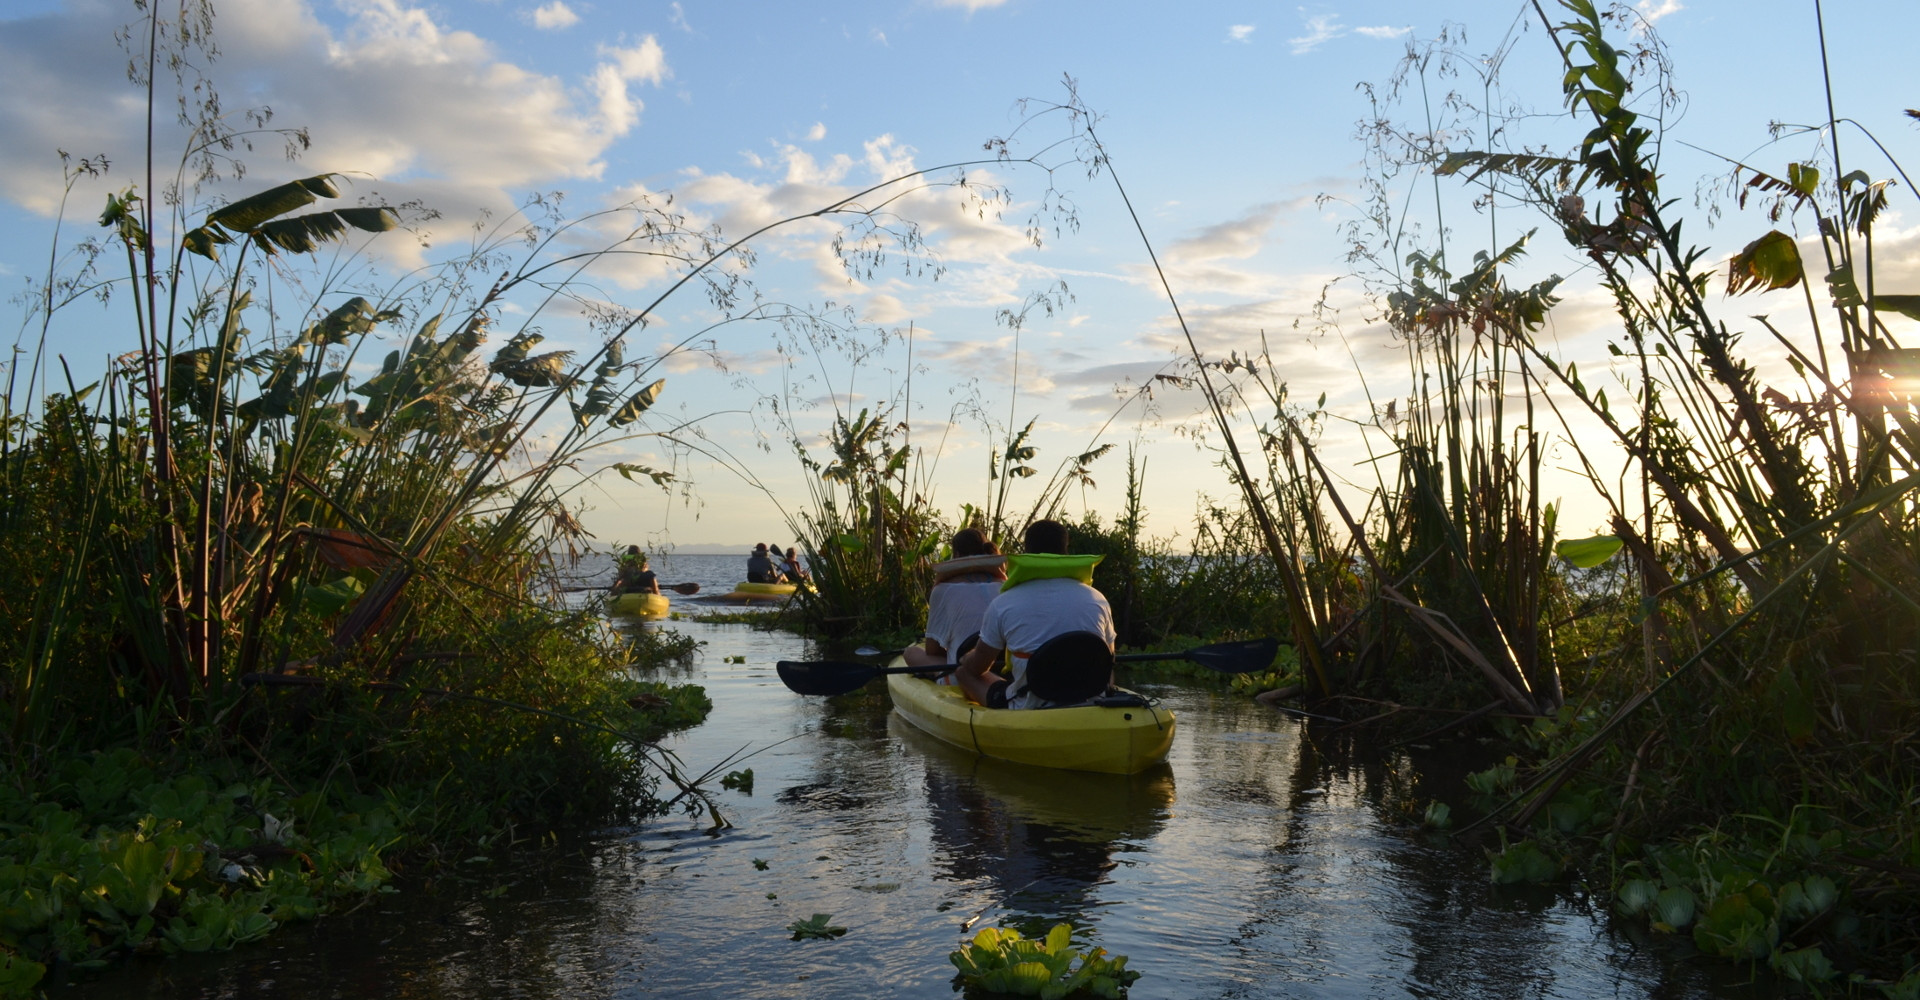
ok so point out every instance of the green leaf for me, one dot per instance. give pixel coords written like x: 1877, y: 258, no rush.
x: 1674, y: 907
x: 332, y: 598
x: 1586, y: 553
x: 248, y: 213
x: 1840, y: 283
x: 1804, y: 177
x: 19, y: 975
x: 816, y: 927
x: 628, y: 470
x: 639, y: 404
x: 1905, y: 305
x: 542, y: 370
x: 1770, y: 262
x: 1524, y: 862
x: 1636, y: 895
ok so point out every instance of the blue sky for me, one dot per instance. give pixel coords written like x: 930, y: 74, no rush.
x: 1227, y: 121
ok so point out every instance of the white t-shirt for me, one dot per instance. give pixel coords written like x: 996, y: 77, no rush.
x: 954, y: 612
x: 1021, y: 619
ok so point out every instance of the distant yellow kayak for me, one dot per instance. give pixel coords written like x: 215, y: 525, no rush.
x: 760, y: 591
x: 1085, y: 738
x: 639, y: 605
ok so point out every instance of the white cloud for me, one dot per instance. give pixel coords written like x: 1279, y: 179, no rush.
x: 885, y: 310
x: 678, y: 17
x: 472, y: 127
x: 1382, y: 31
x: 645, y: 62
x: 817, y: 132
x: 1653, y: 12
x: 554, y: 16
x: 1239, y: 32
x: 1320, y: 29
x: 971, y: 5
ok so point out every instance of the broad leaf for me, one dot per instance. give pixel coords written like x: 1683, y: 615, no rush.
x: 1586, y: 553
x: 248, y: 213
x: 639, y: 404
x: 1770, y: 262
x: 1905, y: 305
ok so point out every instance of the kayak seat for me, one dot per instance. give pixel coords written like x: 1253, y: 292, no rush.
x: 1122, y: 698
x: 1070, y: 668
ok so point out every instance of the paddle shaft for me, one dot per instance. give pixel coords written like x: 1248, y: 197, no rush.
x: 678, y: 588
x: 831, y: 677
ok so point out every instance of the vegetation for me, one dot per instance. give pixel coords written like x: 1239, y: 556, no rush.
x: 1000, y: 961
x: 1743, y: 676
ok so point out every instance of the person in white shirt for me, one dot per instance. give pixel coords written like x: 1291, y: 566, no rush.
x: 1025, y: 616
x: 963, y: 587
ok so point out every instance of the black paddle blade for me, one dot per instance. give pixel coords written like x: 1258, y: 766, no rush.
x: 1242, y: 657
x: 685, y: 588
x: 825, y: 677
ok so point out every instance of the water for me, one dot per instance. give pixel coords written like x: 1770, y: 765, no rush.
x: 1262, y: 861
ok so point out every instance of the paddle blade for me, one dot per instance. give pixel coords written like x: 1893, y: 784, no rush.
x: 685, y: 588
x: 1242, y: 657
x: 825, y: 677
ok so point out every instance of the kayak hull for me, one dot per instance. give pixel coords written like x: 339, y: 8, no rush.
x: 760, y: 592
x: 639, y: 605
x: 1086, y: 738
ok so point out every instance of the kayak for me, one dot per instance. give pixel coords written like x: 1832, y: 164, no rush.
x: 760, y: 591
x: 1083, y: 738
x: 639, y: 605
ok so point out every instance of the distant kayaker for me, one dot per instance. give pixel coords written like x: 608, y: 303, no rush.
x: 1048, y: 593
x: 796, y: 573
x: 635, y: 576
x: 760, y: 567
x: 963, y: 586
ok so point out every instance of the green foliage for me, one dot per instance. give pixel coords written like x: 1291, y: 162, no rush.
x: 999, y: 960
x: 1525, y: 861
x: 119, y: 852
x: 1586, y: 553
x: 816, y: 928
x: 869, y: 539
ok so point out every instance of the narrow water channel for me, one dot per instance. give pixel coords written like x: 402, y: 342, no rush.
x: 1264, y: 860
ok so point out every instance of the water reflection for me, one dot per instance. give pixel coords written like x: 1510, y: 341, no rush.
x: 1263, y: 860
x: 1041, y: 842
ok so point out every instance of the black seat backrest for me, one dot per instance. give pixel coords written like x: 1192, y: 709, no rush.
x: 1070, y: 668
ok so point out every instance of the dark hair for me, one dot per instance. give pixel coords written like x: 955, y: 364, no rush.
x: 633, y: 550
x: 1045, y: 536
x: 762, y: 547
x: 972, y: 542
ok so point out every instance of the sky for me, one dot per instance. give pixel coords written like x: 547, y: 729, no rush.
x: 1234, y: 127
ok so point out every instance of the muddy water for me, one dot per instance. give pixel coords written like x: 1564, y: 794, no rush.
x: 1264, y: 860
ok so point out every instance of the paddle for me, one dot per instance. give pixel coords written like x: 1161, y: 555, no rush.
x: 831, y: 677
x: 678, y: 588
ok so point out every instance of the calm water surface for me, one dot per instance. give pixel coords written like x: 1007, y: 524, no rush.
x: 1264, y: 860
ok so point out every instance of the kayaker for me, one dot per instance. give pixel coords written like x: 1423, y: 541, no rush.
x: 1048, y: 593
x: 760, y: 567
x: 796, y: 573
x: 963, y: 586
x: 635, y: 576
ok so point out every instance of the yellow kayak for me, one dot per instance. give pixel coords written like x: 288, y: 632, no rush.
x: 760, y: 591
x: 639, y: 605
x: 1084, y: 738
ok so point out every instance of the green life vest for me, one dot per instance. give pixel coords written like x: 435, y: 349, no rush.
x: 1028, y: 567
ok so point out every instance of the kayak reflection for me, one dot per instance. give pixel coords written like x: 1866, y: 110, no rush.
x: 1040, y: 840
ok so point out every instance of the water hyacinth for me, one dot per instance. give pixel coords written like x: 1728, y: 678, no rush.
x: 999, y: 960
